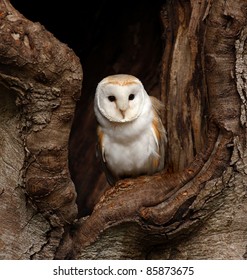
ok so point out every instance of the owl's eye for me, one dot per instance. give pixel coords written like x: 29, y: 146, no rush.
x: 131, y: 96
x: 111, y: 98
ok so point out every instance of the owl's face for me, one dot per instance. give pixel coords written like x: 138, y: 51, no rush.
x: 120, y: 98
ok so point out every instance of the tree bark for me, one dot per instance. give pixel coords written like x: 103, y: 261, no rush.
x: 194, y: 209
x: 199, y: 89
x: 40, y: 79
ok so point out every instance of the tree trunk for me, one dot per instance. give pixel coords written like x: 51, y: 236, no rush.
x: 40, y: 79
x: 194, y: 209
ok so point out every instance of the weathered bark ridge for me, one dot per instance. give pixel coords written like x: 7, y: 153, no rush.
x: 40, y: 78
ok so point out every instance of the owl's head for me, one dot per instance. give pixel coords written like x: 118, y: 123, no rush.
x: 120, y: 98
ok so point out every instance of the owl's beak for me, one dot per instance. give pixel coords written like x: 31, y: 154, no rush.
x: 122, y: 113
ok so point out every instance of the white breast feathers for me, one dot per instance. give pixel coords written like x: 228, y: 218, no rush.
x: 131, y: 136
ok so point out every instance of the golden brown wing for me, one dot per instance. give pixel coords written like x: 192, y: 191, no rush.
x: 100, y: 154
x: 159, y: 133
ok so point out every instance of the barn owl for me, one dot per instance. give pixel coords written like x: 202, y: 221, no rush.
x: 131, y: 136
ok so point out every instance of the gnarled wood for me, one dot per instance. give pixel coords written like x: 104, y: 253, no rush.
x: 40, y: 79
x: 168, y: 206
x: 193, y: 209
